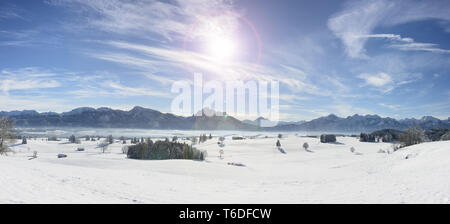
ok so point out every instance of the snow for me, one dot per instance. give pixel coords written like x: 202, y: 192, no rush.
x: 252, y: 171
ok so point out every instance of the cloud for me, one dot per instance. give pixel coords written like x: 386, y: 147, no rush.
x: 26, y: 79
x: 157, y: 59
x: 292, y: 97
x: 10, y: 11
x: 392, y: 107
x: 134, y: 91
x: 385, y: 83
x: 355, y: 24
x: 343, y: 109
x: 420, y: 47
x: 358, y: 19
x: 168, y: 19
x: 11, y: 84
x: 377, y: 80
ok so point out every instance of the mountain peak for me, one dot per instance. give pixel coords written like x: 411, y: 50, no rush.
x: 429, y: 118
x: 78, y: 110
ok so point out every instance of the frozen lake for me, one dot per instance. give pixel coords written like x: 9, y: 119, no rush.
x: 117, y: 132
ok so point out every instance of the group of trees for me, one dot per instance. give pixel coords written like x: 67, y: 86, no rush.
x: 327, y: 138
x: 437, y: 134
x: 446, y: 136
x: 385, y: 135
x: 363, y: 137
x: 161, y: 150
x: 412, y: 136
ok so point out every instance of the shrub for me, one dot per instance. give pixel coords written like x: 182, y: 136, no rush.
x: 305, y: 146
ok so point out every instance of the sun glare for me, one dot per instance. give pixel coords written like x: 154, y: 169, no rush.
x: 221, y: 49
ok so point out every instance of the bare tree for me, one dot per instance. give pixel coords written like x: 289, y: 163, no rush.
x: 412, y: 136
x: 104, y: 145
x: 6, y: 134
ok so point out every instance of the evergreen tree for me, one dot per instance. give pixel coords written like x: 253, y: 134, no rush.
x: 278, y: 143
x: 72, y: 139
x: 110, y: 139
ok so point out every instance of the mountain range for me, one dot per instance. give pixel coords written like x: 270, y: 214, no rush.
x: 145, y: 118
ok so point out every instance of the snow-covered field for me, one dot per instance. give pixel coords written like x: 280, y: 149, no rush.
x: 328, y: 174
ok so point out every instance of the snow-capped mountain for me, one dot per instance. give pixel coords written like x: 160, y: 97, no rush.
x: 358, y: 123
x: 140, y: 117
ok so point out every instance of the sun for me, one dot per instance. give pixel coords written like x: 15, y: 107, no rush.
x: 221, y: 49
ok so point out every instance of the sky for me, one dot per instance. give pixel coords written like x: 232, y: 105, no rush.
x: 390, y: 58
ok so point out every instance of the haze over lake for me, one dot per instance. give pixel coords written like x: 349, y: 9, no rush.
x: 128, y: 132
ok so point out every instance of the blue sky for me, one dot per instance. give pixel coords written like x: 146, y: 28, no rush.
x: 390, y: 58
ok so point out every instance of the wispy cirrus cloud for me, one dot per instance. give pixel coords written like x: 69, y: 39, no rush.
x: 413, y: 46
x: 167, y: 19
x: 355, y: 24
x: 26, y: 79
x: 10, y: 11
x: 156, y: 59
